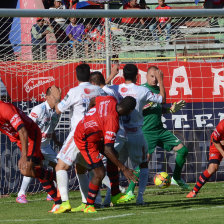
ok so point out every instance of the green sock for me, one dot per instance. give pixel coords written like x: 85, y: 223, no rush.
x: 131, y: 186
x: 180, y: 161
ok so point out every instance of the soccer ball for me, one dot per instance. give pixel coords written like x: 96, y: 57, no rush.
x: 162, y: 180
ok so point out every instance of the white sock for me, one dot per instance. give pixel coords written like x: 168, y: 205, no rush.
x: 62, y: 181
x: 25, y: 183
x: 143, y: 180
x: 83, y: 186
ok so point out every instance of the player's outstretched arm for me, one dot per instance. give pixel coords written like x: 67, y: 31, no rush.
x: 56, y: 97
x: 114, y: 72
x: 159, y: 76
x: 25, y: 167
x: 176, y: 106
x: 129, y: 174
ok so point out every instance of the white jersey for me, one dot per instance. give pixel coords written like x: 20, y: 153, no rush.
x: 111, y: 92
x: 78, y: 98
x: 143, y: 96
x: 47, y: 120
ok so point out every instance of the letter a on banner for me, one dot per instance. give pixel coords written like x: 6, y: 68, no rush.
x: 218, y: 81
x: 180, y: 72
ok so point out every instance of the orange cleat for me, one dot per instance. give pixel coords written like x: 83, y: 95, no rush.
x: 192, y: 194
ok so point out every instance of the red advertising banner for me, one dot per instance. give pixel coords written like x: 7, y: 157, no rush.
x: 190, y: 81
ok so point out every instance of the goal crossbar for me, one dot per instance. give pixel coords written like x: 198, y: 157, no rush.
x: 97, y: 13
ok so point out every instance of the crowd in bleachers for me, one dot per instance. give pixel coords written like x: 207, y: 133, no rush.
x: 83, y: 33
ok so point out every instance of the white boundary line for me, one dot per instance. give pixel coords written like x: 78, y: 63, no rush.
x: 106, y: 217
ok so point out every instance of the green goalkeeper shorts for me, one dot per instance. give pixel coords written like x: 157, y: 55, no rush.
x: 162, y: 138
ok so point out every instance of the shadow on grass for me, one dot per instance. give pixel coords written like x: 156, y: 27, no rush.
x: 184, y: 203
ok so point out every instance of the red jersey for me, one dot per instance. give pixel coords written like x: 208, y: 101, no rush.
x: 12, y: 119
x: 163, y: 19
x: 101, y: 123
x: 218, y: 133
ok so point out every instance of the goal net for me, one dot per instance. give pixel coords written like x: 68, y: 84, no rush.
x: 37, y: 52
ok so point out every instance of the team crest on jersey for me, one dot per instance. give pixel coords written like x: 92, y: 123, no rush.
x: 91, y: 112
x: 124, y: 89
x: 34, y: 115
x: 88, y: 91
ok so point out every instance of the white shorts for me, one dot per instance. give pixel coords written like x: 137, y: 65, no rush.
x: 49, y: 154
x: 69, y: 152
x: 133, y: 146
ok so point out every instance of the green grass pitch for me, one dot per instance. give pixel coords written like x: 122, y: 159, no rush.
x: 164, y: 206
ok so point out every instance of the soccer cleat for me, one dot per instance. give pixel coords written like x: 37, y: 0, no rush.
x: 119, y: 198
x: 54, y: 208
x: 80, y: 208
x: 130, y: 196
x: 140, y: 203
x: 181, y: 183
x: 90, y: 209
x: 191, y: 194
x: 49, y: 198
x: 64, y: 207
x: 22, y: 199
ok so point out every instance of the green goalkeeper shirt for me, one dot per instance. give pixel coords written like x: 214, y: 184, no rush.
x: 153, y: 112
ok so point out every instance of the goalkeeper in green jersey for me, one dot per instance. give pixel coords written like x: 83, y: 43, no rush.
x: 156, y: 135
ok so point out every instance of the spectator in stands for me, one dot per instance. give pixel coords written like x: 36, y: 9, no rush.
x: 59, y: 25
x: 161, y: 22
x: 48, y: 3
x: 132, y: 22
x: 38, y: 38
x: 92, y: 34
x: 213, y: 4
x: 75, y: 31
x: 60, y: 21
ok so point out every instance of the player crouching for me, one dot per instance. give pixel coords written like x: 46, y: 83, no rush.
x: 96, y: 134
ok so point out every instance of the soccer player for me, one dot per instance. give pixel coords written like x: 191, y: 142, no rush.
x: 26, y: 133
x: 47, y: 119
x: 216, y: 154
x: 97, y: 78
x: 130, y: 141
x: 78, y: 98
x: 156, y: 135
x: 95, y: 134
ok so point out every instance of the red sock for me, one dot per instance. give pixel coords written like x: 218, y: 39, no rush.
x: 112, y: 173
x: 44, y: 174
x: 92, y: 193
x: 51, y: 190
x: 201, y: 181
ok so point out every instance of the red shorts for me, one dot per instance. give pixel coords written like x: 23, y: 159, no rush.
x: 91, y: 152
x: 34, y: 144
x: 214, y: 155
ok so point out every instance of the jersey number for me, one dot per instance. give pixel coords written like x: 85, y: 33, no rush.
x: 103, y: 108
